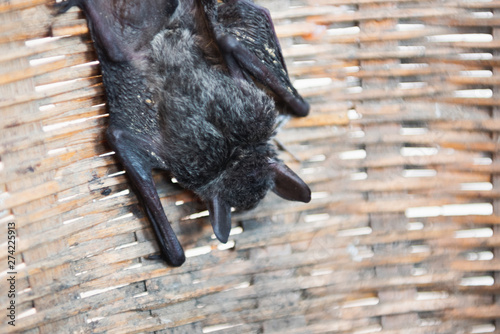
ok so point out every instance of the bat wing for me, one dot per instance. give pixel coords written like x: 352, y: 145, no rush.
x: 245, y: 35
x: 130, y: 151
x: 120, y: 28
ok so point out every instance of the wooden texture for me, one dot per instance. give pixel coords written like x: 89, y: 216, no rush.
x: 400, y: 150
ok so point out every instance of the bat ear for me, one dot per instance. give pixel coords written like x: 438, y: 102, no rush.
x: 289, y: 185
x: 220, y: 217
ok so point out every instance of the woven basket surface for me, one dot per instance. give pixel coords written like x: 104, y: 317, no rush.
x: 400, y: 151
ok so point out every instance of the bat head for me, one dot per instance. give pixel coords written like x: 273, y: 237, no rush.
x: 245, y: 182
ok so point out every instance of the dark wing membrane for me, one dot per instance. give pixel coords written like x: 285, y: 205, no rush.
x: 120, y: 28
x: 252, y: 27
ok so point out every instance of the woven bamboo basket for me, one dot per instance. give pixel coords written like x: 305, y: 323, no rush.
x: 400, y: 151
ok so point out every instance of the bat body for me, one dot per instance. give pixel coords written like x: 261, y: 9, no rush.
x: 191, y: 88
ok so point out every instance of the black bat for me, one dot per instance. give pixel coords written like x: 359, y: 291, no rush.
x: 190, y: 89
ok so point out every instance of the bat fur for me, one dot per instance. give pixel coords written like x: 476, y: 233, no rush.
x: 182, y: 97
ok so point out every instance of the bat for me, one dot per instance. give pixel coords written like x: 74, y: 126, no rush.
x: 193, y: 87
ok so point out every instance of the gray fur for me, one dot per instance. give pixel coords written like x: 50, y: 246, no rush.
x: 215, y: 128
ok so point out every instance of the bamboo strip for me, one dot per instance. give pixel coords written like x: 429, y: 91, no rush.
x: 381, y: 85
